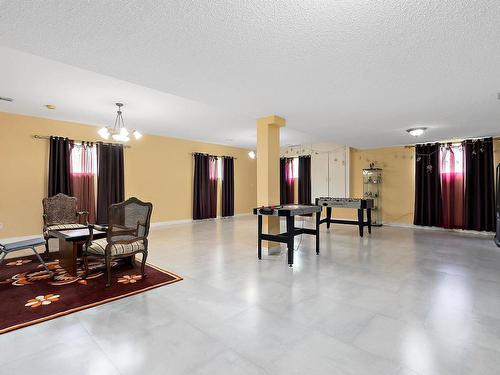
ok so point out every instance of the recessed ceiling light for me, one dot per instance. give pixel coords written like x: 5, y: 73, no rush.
x: 416, y: 132
x: 6, y: 99
x: 50, y: 106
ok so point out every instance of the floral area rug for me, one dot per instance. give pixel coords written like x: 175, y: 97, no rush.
x: 30, y: 295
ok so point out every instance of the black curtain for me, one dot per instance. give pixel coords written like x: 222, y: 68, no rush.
x: 110, y: 178
x: 227, y: 186
x: 201, y: 187
x: 205, y: 187
x: 305, y: 179
x: 60, y: 166
x: 428, y: 199
x: 479, y: 197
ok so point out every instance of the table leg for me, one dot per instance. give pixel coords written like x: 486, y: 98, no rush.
x: 318, y: 219
x: 328, y: 217
x: 360, y: 221
x: 290, y: 227
x: 369, y: 219
x: 259, y: 236
x: 68, y: 254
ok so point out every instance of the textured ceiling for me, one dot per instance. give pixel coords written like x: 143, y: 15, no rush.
x: 355, y: 72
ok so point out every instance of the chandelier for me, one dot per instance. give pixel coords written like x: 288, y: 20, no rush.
x: 118, y: 132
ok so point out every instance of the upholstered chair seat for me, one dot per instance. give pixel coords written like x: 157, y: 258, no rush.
x: 98, y: 247
x: 64, y: 227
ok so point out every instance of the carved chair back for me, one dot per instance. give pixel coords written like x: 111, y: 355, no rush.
x: 59, y: 209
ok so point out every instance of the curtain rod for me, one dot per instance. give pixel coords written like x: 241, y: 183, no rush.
x: 294, y: 156
x: 217, y: 156
x: 36, y: 136
x: 453, y: 141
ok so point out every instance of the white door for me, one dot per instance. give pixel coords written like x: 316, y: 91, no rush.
x: 337, y: 172
x: 319, y: 175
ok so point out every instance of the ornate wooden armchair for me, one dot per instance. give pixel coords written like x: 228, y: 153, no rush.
x: 128, y: 229
x: 60, y: 213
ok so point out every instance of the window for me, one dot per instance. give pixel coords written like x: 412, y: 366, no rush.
x: 219, y: 168
x: 295, y: 168
x: 83, y: 159
x: 452, y: 159
x: 83, y: 177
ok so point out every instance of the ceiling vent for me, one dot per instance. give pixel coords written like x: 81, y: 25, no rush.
x: 6, y: 99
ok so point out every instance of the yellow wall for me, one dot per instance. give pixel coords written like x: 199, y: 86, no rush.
x: 157, y: 169
x: 398, y: 180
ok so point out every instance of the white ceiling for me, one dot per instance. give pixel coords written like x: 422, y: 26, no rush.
x: 347, y: 71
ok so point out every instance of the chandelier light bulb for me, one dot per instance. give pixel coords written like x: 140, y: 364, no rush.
x: 137, y: 135
x: 120, y: 138
x: 124, y: 132
x: 104, y: 133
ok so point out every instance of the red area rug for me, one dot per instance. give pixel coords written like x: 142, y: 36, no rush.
x: 30, y: 295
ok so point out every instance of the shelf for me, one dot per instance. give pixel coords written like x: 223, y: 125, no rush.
x: 372, y: 180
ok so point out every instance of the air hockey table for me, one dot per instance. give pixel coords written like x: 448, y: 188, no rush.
x: 289, y: 211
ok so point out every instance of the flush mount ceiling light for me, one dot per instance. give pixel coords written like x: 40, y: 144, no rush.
x: 252, y: 154
x: 416, y: 132
x: 50, y: 106
x: 118, y: 132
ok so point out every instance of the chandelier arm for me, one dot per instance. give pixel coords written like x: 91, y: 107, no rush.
x: 117, y: 122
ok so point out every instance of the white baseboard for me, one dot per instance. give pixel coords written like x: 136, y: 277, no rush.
x: 161, y: 224
x: 438, y: 229
x: 168, y: 223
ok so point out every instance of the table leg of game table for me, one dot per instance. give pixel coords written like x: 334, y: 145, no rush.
x: 369, y: 219
x: 290, y: 229
x: 259, y: 236
x: 328, y: 217
x: 361, y: 219
x: 318, y: 219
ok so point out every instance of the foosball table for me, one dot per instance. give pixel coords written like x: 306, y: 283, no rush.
x: 361, y: 205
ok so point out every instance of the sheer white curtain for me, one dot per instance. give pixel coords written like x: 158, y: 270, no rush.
x: 83, y: 180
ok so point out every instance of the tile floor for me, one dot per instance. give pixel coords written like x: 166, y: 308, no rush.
x: 401, y: 301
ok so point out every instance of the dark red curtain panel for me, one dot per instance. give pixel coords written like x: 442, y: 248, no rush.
x: 304, y: 179
x: 227, y: 186
x: 200, y: 188
x: 110, y: 178
x: 286, y: 181
x: 428, y: 198
x: 212, y: 187
x: 452, y: 183
x: 59, y: 166
x: 479, y: 185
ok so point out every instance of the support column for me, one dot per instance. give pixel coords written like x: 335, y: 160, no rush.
x: 268, y: 172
